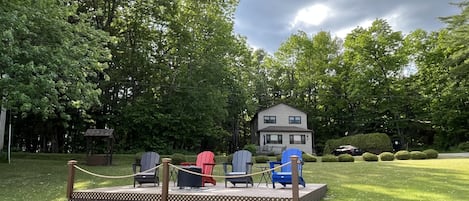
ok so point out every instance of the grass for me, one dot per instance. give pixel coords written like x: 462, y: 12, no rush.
x: 44, y: 178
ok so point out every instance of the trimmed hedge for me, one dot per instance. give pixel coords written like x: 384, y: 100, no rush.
x: 261, y: 159
x: 178, y: 158
x: 402, y: 155
x: 346, y: 158
x: 329, y: 158
x: 251, y: 148
x: 367, y: 156
x: 431, y: 153
x: 308, y: 158
x: 278, y: 157
x: 386, y: 156
x: 373, y: 142
x: 417, y: 155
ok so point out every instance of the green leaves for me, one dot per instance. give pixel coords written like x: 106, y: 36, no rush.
x: 48, y: 62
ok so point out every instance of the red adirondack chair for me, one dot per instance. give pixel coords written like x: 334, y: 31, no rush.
x: 206, y: 160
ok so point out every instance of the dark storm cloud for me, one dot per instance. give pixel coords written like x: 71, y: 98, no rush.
x: 267, y: 23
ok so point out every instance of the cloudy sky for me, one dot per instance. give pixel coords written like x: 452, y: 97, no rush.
x: 268, y: 23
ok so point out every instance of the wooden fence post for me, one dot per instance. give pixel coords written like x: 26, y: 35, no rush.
x: 71, y: 177
x: 165, y: 188
x: 294, y: 183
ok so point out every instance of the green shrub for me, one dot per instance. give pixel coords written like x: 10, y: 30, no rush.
x: 373, y: 142
x: 431, y: 153
x: 367, y: 156
x: 329, y: 158
x: 346, y: 158
x: 309, y: 157
x: 178, y: 158
x: 278, y: 157
x: 261, y: 159
x: 464, y: 146
x: 417, y: 155
x: 402, y: 155
x: 251, y: 148
x: 386, y: 156
x: 138, y: 157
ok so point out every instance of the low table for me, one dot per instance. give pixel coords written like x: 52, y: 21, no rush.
x: 185, y: 179
x: 265, y: 175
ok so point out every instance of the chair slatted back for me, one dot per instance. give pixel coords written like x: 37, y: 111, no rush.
x: 286, y: 158
x: 149, y: 160
x: 240, y: 159
x: 205, y: 157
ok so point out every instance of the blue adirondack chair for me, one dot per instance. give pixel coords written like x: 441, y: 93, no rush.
x: 149, y: 160
x: 284, y: 176
x: 240, y: 165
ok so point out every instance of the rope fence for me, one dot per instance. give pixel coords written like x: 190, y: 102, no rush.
x: 178, y: 168
x: 114, y: 177
x: 166, y: 165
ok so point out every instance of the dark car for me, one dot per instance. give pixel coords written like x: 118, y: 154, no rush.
x: 347, y: 149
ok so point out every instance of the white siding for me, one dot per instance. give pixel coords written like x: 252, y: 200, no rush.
x: 282, y: 112
x: 307, y: 147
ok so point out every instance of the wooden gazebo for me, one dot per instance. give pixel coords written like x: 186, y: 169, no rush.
x: 99, y: 146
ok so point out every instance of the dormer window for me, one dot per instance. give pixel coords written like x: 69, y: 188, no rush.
x: 294, y: 119
x: 270, y: 119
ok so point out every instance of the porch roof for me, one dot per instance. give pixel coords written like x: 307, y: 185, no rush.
x: 284, y: 129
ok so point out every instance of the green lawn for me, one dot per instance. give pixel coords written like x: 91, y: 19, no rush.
x: 428, y: 180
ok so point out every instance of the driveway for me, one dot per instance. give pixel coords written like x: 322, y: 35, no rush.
x: 454, y: 155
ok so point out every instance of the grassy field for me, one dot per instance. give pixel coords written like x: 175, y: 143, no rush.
x: 43, y: 178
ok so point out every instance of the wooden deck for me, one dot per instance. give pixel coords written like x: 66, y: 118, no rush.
x: 312, y: 192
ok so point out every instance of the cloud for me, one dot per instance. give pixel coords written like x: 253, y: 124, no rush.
x: 268, y: 23
x: 311, y: 16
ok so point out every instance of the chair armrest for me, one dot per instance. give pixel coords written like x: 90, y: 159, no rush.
x: 273, y: 163
x: 249, y: 167
x: 187, y: 163
x: 157, y: 170
x: 134, y: 167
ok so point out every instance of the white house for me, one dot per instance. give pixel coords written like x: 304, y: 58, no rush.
x: 279, y: 127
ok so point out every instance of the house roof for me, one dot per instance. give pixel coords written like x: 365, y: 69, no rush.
x: 284, y: 129
x: 278, y: 105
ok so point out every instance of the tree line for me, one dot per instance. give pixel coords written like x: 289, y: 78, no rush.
x: 173, y: 76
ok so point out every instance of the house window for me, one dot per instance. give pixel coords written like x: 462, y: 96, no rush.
x: 297, y: 139
x: 274, y: 139
x: 270, y: 119
x: 294, y: 119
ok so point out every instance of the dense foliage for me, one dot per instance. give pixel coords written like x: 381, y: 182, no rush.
x: 431, y: 153
x: 261, y: 159
x: 308, y: 157
x: 402, y: 155
x: 386, y: 156
x: 417, y: 155
x: 172, y: 76
x: 329, y: 158
x: 367, y: 156
x: 345, y: 158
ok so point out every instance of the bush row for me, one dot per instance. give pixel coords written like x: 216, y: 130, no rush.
x: 373, y: 142
x: 177, y: 158
x: 401, y: 155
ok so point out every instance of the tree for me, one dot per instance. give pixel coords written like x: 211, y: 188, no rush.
x: 47, y: 63
x: 377, y: 58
